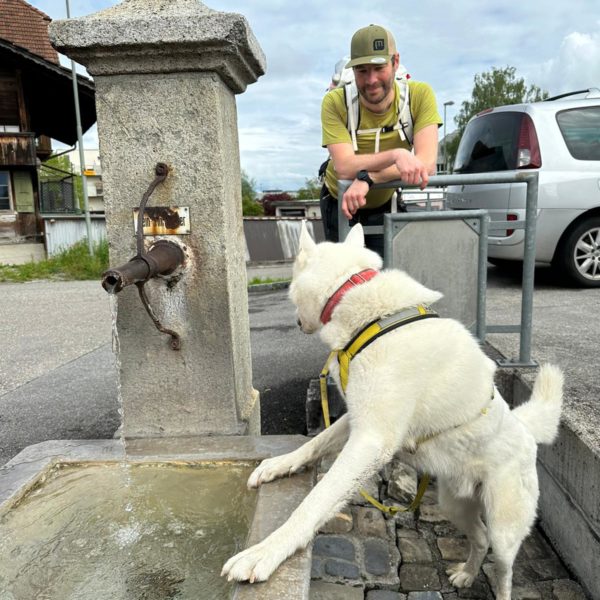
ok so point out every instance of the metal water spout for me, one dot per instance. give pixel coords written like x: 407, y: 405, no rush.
x: 163, y: 258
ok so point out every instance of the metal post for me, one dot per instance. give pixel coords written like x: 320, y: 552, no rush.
x: 86, y: 207
x: 448, y: 103
x: 482, y: 277
x: 343, y: 223
x: 528, y: 270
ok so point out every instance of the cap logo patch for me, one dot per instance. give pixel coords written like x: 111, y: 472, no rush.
x: 378, y: 45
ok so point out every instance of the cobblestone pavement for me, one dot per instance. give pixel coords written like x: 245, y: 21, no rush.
x: 362, y: 554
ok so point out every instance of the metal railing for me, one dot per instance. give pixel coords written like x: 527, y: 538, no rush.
x: 530, y: 178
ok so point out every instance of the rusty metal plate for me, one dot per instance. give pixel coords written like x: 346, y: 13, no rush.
x: 164, y: 220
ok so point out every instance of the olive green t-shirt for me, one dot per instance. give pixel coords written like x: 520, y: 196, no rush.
x: 423, y: 109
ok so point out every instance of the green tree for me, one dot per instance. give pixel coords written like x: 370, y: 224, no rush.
x: 250, y: 207
x: 496, y: 87
x: 310, y: 191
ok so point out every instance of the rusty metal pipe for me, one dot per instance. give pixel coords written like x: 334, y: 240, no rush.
x: 163, y: 258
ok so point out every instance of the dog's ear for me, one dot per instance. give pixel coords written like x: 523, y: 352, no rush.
x: 307, y: 244
x: 356, y: 237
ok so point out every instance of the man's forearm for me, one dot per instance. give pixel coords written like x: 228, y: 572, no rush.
x: 351, y: 164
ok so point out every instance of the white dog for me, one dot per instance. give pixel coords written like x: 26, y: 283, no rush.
x: 424, y: 392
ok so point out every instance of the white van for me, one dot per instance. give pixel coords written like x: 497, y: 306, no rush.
x: 560, y: 138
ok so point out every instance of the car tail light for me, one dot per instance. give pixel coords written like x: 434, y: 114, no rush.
x: 510, y: 217
x: 528, y: 149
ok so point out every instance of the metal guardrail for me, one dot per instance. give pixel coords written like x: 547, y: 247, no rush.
x: 530, y: 178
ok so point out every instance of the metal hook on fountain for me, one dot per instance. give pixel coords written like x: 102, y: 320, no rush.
x: 163, y: 258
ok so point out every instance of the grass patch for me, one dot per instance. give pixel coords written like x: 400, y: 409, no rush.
x: 260, y: 280
x: 75, y: 263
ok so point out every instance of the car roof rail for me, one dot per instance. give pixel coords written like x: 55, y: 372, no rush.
x: 591, y: 93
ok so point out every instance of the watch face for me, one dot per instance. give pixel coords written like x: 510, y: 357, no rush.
x: 364, y: 176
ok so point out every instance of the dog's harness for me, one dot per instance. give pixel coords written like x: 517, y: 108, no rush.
x: 359, y: 342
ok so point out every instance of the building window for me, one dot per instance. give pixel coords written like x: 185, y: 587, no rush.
x: 4, y: 190
x: 9, y: 129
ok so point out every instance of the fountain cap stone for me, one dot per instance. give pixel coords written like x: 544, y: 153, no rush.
x: 162, y: 36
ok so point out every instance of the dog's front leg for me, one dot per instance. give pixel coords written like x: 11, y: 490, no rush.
x: 362, y: 456
x: 327, y: 442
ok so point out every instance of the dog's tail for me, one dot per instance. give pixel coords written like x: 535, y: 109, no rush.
x: 541, y: 414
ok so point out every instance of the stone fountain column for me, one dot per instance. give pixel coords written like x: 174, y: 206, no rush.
x: 166, y: 72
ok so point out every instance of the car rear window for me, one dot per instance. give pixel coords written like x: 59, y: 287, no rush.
x: 580, y: 127
x: 489, y: 143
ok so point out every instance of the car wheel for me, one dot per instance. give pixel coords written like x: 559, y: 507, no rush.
x: 579, y: 255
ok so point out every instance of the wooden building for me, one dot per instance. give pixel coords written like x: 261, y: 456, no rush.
x: 36, y: 105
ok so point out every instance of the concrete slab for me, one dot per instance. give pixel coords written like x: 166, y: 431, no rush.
x: 20, y: 254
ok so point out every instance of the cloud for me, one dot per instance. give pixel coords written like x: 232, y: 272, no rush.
x: 577, y: 65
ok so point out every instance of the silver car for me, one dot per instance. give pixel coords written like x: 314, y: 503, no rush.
x: 560, y: 138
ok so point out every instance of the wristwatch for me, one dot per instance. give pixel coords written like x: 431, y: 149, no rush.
x: 364, y: 176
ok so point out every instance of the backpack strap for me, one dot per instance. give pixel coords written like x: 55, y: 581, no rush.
x: 353, y: 110
x: 405, y: 121
x: 404, y: 125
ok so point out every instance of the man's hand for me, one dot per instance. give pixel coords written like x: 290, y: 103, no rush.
x: 355, y: 197
x: 411, y: 169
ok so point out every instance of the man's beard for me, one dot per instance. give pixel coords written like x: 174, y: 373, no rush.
x: 374, y: 94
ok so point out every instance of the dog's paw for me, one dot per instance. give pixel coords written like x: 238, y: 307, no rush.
x: 459, y: 577
x: 255, y: 564
x: 273, y: 468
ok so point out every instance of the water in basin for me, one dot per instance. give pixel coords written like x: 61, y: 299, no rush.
x: 126, y: 531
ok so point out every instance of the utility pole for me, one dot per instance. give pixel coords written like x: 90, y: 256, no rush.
x: 86, y: 206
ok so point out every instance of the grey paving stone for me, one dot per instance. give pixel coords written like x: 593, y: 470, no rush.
x: 526, y: 592
x: 384, y: 595
x: 334, y: 546
x: 414, y: 550
x: 370, y: 522
x: 453, y: 548
x: 338, y: 568
x: 431, y: 513
x: 548, y: 568
x: 403, y: 532
x: 535, y: 546
x: 425, y: 596
x: 447, y: 529
x: 479, y: 590
x: 402, y: 485
x: 343, y: 522
x: 417, y: 578
x: 316, y: 568
x: 320, y: 590
x: 566, y: 589
x: 377, y: 557
x: 406, y: 520
x: 372, y: 488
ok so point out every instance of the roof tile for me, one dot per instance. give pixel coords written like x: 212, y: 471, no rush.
x: 27, y: 27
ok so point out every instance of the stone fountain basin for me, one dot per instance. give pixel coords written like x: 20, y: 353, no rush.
x: 274, y: 503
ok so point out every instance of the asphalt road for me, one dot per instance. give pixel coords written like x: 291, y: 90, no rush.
x: 58, y: 379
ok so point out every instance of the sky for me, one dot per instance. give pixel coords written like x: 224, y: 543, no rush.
x: 553, y: 45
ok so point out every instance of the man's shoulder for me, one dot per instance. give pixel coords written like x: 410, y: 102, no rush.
x: 334, y: 103
x: 335, y: 96
x: 419, y: 87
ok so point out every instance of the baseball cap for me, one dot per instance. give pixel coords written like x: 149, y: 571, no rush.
x: 373, y: 45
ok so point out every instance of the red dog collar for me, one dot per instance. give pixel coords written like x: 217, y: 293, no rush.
x: 353, y: 281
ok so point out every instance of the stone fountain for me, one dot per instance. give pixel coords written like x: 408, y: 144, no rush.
x: 166, y: 74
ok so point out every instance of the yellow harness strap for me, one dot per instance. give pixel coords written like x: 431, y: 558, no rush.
x: 372, y: 331
x: 360, y: 341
